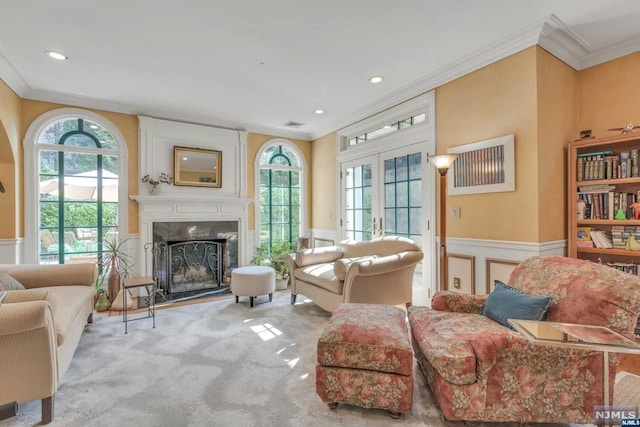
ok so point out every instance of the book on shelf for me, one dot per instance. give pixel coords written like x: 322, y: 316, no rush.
x: 625, y: 164
x: 601, y: 239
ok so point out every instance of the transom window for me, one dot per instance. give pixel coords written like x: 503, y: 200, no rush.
x: 78, y: 190
x: 389, y: 128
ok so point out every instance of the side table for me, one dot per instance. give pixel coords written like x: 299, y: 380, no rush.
x: 139, y: 282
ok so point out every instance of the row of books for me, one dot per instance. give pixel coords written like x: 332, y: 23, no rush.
x: 604, y: 203
x: 620, y: 234
x: 607, y: 165
x: 627, y: 267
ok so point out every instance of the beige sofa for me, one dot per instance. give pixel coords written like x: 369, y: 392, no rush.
x: 379, y: 271
x: 40, y: 328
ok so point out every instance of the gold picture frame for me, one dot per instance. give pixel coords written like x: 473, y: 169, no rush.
x: 197, y: 167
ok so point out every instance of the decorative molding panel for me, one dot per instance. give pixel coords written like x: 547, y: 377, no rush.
x: 461, y: 273
x: 491, y: 255
x: 498, y: 269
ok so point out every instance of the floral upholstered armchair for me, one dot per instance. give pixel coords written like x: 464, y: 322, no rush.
x: 480, y: 370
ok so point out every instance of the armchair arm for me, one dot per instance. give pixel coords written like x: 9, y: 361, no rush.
x: 456, y: 302
x: 26, y: 295
x: 28, y: 350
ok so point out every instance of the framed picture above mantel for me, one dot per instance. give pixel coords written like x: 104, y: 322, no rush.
x: 483, y: 167
x: 197, y: 167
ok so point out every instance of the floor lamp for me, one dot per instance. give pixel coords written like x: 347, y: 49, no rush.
x: 443, y: 162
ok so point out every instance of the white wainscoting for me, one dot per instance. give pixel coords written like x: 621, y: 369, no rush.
x: 11, y: 251
x: 495, y: 259
x: 323, y: 237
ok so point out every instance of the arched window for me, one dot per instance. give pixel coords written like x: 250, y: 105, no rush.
x: 78, y: 188
x: 280, y: 190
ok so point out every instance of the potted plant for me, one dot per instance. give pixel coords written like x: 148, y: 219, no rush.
x: 118, y: 263
x: 274, y: 256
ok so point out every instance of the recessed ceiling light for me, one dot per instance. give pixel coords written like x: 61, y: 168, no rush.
x: 57, y: 55
x: 319, y: 111
x: 376, y: 79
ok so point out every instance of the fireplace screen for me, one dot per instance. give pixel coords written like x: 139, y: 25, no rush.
x: 194, y: 265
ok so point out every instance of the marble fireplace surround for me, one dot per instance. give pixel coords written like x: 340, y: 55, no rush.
x: 195, y: 210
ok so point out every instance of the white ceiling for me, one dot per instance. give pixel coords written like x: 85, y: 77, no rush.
x: 257, y: 64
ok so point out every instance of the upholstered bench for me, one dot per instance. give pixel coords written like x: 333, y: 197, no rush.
x: 365, y: 359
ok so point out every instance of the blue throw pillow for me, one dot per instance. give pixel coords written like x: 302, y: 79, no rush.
x: 506, y: 302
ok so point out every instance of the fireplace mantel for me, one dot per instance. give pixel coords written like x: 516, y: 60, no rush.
x: 188, y: 208
x: 175, y: 200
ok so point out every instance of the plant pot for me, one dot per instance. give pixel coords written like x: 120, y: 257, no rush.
x: 282, y: 284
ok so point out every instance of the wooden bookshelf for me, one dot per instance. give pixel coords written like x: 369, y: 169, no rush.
x: 602, y: 166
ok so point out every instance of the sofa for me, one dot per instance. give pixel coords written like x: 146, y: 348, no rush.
x: 40, y: 328
x: 378, y: 271
x: 480, y: 370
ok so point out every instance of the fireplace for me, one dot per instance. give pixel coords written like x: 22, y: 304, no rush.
x: 195, y: 258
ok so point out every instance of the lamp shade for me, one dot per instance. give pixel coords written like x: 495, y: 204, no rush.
x: 443, y: 161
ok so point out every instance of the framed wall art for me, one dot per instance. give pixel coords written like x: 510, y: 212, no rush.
x: 483, y: 167
x: 197, y: 167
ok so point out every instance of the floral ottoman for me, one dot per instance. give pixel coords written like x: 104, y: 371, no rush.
x: 365, y: 359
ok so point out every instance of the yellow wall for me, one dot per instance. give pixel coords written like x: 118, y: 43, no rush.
x: 497, y: 100
x: 324, y: 183
x: 126, y: 124
x: 557, y: 116
x: 254, y: 142
x: 10, y: 163
x: 609, y: 95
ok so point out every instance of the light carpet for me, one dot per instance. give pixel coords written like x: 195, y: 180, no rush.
x: 211, y: 364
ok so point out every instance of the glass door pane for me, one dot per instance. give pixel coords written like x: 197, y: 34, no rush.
x: 358, y: 199
x: 402, y: 195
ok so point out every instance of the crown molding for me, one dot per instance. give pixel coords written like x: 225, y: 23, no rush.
x: 612, y: 52
x: 86, y: 102
x: 11, y: 77
x: 550, y: 33
x: 563, y: 43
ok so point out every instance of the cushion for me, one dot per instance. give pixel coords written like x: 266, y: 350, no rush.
x: 341, y: 266
x: 8, y: 283
x: 320, y: 275
x: 317, y: 255
x: 505, y: 302
x: 367, y: 336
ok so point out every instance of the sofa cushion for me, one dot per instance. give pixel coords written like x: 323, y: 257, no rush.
x: 341, y: 266
x: 453, y: 342
x: 505, y: 303
x: 8, y: 283
x: 68, y: 302
x: 317, y: 255
x: 321, y: 275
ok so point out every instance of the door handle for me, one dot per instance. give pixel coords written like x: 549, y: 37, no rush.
x: 373, y: 233
x: 381, y: 228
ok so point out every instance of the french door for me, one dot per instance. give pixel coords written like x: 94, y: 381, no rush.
x: 382, y: 195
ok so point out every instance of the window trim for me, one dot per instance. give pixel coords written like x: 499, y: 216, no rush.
x: 303, y: 169
x: 31, y: 172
